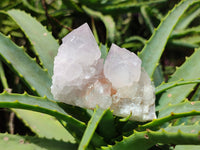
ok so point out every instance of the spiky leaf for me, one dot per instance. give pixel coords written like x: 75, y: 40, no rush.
x: 172, y: 112
x: 189, y: 70
x: 154, y: 48
x: 43, y: 42
x: 165, y: 86
x: 91, y: 127
x: 180, y: 108
x: 17, y: 142
x: 43, y: 125
x: 27, y: 68
x: 39, y: 104
x: 146, y: 139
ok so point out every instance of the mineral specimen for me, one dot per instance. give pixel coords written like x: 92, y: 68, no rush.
x: 80, y: 78
x: 76, y: 66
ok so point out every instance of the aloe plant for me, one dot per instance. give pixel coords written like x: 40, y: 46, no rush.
x: 60, y: 126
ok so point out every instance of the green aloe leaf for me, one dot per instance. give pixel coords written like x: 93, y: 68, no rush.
x: 43, y: 42
x: 154, y: 48
x: 184, y: 128
x: 44, y: 105
x: 43, y: 125
x: 91, y: 127
x: 186, y: 106
x: 39, y: 104
x: 26, y: 67
x: 106, y: 124
x: 188, y: 37
x: 171, y: 112
x: 185, y: 72
x: 17, y: 142
x: 165, y: 86
x: 147, y: 18
x: 182, y: 42
x: 3, y: 77
x: 185, y: 32
x: 146, y: 139
x: 188, y: 17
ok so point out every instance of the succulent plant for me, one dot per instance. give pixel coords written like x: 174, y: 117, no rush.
x: 60, y: 126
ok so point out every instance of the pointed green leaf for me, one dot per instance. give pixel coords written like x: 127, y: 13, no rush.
x: 185, y: 32
x: 106, y: 124
x: 44, y: 105
x: 184, y: 128
x: 188, y: 17
x: 146, y: 17
x: 187, y: 106
x: 44, y: 125
x: 38, y: 104
x: 165, y: 86
x: 17, y: 142
x: 27, y: 68
x: 91, y: 127
x: 173, y: 112
x: 146, y: 139
x: 154, y: 48
x: 43, y: 42
x: 3, y: 77
x: 188, y: 71
x: 183, y: 43
x: 193, y: 39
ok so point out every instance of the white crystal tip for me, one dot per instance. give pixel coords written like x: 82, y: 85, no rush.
x: 122, y: 67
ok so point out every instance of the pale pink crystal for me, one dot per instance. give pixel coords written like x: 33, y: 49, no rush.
x: 76, y: 66
x: 122, y: 67
x: 80, y: 78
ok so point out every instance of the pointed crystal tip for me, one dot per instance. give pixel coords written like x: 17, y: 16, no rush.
x: 76, y: 65
x: 122, y: 67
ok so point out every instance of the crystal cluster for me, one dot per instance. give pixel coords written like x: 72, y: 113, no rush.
x: 82, y: 79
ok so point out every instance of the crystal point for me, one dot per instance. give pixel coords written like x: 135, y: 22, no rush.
x: 76, y: 65
x: 121, y: 67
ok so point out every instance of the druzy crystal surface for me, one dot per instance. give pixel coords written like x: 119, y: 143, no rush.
x: 81, y: 79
